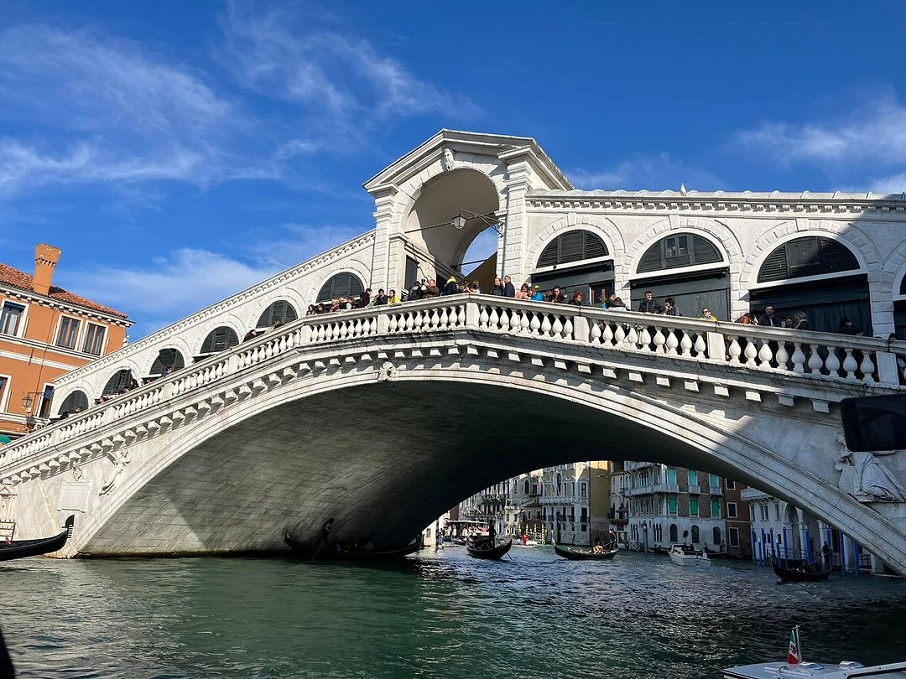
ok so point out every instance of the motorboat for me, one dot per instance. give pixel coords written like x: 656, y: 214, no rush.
x: 596, y: 553
x: 17, y: 549
x: 686, y: 555
x: 798, y: 570
x: 796, y: 668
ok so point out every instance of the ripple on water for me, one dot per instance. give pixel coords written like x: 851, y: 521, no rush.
x: 435, y: 615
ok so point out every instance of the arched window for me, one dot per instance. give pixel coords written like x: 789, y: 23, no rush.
x: 573, y: 246
x: 674, y: 533
x: 281, y: 310
x: 120, y: 383
x: 696, y: 535
x: 76, y: 400
x: 167, y: 358
x: 715, y: 509
x: 671, y: 475
x: 340, y: 285
x: 679, y: 250
x: 716, y: 535
x: 693, y: 477
x: 526, y: 487
x: 807, y: 256
x: 219, y: 339
x: 671, y: 506
x: 693, y: 507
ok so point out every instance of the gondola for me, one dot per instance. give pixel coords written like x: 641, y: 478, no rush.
x: 330, y: 553
x: 17, y: 549
x: 585, y: 553
x: 484, y: 549
x: 797, y: 570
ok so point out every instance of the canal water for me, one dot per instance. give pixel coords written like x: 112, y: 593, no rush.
x: 434, y: 615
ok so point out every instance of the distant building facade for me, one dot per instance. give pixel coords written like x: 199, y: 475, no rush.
x: 665, y: 505
x: 45, y: 332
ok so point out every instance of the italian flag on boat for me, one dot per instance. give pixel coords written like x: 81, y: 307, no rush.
x: 794, y: 655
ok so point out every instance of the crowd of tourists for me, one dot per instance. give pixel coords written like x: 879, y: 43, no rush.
x: 504, y: 287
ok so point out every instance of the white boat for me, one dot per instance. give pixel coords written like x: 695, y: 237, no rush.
x: 796, y: 668
x: 684, y: 555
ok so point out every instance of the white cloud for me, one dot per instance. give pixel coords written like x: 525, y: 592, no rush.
x: 175, y: 286
x: 655, y: 173
x: 342, y: 81
x: 892, y: 184
x: 873, y: 132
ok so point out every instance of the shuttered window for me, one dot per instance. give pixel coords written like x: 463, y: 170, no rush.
x: 679, y: 250
x: 279, y: 310
x: 573, y: 246
x: 340, y: 285
x: 219, y: 339
x: 807, y: 256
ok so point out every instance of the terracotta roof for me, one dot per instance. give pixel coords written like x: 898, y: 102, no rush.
x: 21, y: 280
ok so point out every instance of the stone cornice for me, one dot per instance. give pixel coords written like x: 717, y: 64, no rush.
x: 827, y: 204
x: 491, y: 145
x: 219, y: 308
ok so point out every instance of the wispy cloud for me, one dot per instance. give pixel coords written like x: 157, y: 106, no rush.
x: 638, y: 173
x: 118, y: 115
x: 343, y: 83
x: 173, y: 286
x: 873, y: 132
x: 185, y: 280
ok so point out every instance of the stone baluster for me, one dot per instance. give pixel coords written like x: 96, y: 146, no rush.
x: 671, y: 343
x: 815, y: 362
x: 867, y: 367
x: 686, y: 344
x: 594, y: 335
x: 535, y: 324
x: 751, y: 353
x: 832, y: 363
x: 765, y: 356
x: 659, y: 340
x: 734, y: 351
x: 798, y: 358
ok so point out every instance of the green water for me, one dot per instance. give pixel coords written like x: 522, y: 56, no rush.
x: 435, y: 615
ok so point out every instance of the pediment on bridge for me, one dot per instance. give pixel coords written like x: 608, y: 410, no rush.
x: 454, y: 146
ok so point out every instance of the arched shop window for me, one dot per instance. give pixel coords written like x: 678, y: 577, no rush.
x: 840, y: 293
x: 660, y: 270
x: 77, y: 399
x: 219, y: 339
x: 808, y: 256
x: 119, y: 383
x: 578, y: 266
x: 167, y: 358
x: 280, y: 310
x: 340, y: 285
x: 573, y: 246
x: 899, y: 312
x: 679, y: 250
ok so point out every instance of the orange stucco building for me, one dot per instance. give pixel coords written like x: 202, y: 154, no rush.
x: 45, y: 331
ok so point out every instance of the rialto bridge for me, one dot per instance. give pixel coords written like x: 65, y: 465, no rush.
x: 384, y: 417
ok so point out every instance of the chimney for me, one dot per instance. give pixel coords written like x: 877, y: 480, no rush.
x: 46, y: 258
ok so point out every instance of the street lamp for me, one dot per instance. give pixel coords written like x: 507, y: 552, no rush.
x: 459, y: 221
x: 29, y: 399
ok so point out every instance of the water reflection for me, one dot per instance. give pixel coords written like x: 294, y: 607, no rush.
x: 434, y: 615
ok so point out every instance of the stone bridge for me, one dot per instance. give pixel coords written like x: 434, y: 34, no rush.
x: 383, y: 418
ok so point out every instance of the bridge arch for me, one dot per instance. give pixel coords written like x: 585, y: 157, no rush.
x: 562, y: 423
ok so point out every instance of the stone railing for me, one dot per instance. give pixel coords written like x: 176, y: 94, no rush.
x: 795, y: 354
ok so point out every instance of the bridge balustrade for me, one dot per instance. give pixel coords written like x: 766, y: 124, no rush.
x: 795, y: 354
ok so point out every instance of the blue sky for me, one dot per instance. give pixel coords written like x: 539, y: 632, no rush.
x: 178, y: 152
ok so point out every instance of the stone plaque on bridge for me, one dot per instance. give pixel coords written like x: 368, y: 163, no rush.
x: 74, y: 496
